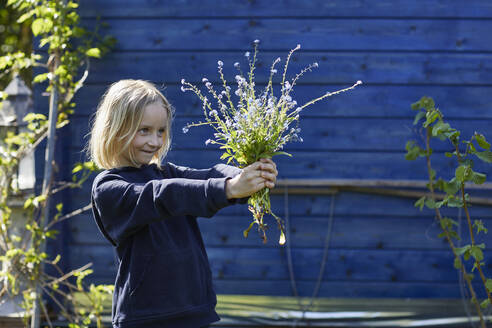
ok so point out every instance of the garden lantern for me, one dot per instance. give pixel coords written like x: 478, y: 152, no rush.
x: 14, y: 108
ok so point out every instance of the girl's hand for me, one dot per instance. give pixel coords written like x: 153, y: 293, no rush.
x: 254, y: 177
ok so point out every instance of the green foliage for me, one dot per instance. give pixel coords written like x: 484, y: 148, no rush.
x: 13, y: 36
x: 432, y: 121
x: 67, y: 51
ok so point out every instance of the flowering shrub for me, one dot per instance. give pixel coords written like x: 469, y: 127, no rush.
x: 258, y: 126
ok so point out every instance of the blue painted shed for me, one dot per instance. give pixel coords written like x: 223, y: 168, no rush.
x: 373, y: 245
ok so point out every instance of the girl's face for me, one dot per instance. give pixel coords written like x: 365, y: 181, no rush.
x: 150, y: 134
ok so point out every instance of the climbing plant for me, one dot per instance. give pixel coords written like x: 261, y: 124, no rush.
x: 464, y: 152
x: 61, y: 63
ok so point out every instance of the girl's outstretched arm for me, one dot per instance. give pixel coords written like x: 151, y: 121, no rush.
x: 122, y: 207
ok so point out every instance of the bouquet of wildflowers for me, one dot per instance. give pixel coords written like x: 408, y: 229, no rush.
x: 257, y: 126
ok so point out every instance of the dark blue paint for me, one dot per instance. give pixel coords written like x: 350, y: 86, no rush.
x: 380, y: 246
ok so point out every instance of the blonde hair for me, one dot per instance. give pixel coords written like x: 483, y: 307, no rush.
x: 117, y: 119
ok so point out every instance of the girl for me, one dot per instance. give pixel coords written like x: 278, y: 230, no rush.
x: 147, y: 210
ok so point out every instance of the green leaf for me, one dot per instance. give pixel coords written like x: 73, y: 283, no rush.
x: 41, y: 25
x: 51, y: 233
x: 28, y: 202
x: 447, y: 223
x: 25, y: 16
x: 485, y: 303
x: 477, y: 253
x: 424, y: 102
x: 281, y: 153
x: 454, y: 235
x: 455, y: 202
x: 40, y: 78
x: 488, y: 285
x: 79, y: 167
x: 457, y: 263
x: 462, y: 173
x: 430, y: 203
x: 482, y: 142
x: 420, y: 203
x: 451, y: 187
x: 418, y: 117
x: 478, y: 178
x: 478, y: 224
x: 413, y: 151
x: 440, y: 127
x: 246, y: 232
x: 431, y: 117
x: 485, y: 156
x: 462, y: 250
x: 57, y: 259
x: 93, y: 52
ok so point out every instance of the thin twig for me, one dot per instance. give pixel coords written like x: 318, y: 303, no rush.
x: 71, y: 273
x: 69, y: 215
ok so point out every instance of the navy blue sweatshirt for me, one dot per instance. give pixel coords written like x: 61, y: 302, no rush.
x: 149, y: 215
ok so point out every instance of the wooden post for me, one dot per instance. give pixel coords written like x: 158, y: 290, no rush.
x: 48, y: 168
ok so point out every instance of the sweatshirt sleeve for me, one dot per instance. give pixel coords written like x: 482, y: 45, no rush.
x: 122, y: 207
x: 217, y: 171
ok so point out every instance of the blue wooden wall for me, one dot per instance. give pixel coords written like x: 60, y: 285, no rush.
x: 380, y: 246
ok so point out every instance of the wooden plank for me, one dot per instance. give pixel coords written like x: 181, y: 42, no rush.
x: 390, y: 101
x: 379, y: 232
x: 312, y: 8
x: 334, y: 67
x: 307, y: 164
x: 351, y: 289
x: 282, y: 34
x: 323, y: 134
x: 343, y: 289
x: 259, y: 263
